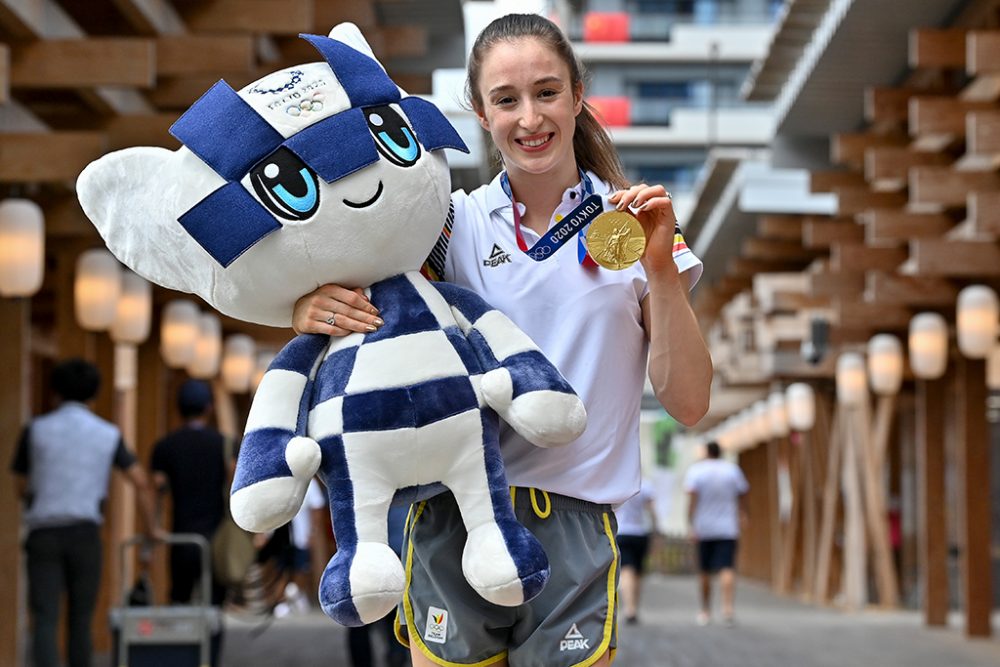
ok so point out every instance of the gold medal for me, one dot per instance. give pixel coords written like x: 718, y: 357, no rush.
x: 615, y: 240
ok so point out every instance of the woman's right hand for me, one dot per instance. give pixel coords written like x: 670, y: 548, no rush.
x: 349, y: 309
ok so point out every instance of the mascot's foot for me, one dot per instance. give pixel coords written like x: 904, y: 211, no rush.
x: 503, y: 576
x: 362, y: 588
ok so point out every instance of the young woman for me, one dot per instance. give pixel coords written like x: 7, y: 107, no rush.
x: 526, y: 87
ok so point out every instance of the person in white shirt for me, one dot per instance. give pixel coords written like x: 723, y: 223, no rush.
x: 716, y: 489
x: 636, y: 522
x: 596, y: 325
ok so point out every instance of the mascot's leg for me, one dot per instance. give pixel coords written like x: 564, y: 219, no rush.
x: 364, y: 580
x: 502, y: 560
x: 275, y: 465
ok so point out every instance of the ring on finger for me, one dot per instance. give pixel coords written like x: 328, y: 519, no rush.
x: 330, y: 320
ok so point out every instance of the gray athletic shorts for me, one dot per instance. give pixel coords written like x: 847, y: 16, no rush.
x: 571, y: 623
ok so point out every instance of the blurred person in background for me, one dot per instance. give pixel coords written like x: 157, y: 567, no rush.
x: 636, y: 526
x: 716, y: 490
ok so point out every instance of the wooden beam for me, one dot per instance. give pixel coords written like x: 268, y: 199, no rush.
x: 953, y: 259
x: 52, y: 156
x: 836, y: 284
x: 937, y: 48
x: 898, y: 225
x: 406, y: 41
x: 359, y: 12
x: 857, y: 314
x: 857, y: 257
x: 144, y: 130
x: 82, y: 63
x: 946, y: 187
x: 887, y: 167
x: 825, y: 180
x: 771, y: 250
x: 783, y: 227
x: 151, y: 17
x: 742, y: 267
x: 982, y: 52
x: 937, y: 121
x: 983, y: 211
x: 213, y: 55
x: 887, y: 106
x: 279, y: 17
x: 984, y: 88
x: 854, y: 200
x: 817, y: 233
x: 982, y: 142
x: 972, y: 465
x: 848, y: 148
x: 888, y: 289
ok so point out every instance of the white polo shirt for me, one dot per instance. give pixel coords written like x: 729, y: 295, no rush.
x: 587, y: 321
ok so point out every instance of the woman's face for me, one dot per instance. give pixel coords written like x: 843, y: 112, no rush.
x: 529, y: 107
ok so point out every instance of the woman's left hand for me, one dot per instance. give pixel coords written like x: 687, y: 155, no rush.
x: 652, y: 207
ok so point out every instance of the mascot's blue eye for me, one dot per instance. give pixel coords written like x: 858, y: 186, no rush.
x: 393, y: 137
x: 285, y: 185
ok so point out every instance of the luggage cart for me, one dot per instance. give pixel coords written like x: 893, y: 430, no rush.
x: 166, y: 636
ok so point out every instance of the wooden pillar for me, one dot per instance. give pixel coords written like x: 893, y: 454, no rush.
x: 831, y: 498
x: 773, y: 513
x: 14, y: 397
x: 855, y: 581
x: 151, y: 412
x: 790, y: 537
x: 973, y: 481
x: 872, y: 460
x: 932, y: 529
x: 113, y: 530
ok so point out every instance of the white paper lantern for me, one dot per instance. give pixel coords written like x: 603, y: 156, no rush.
x: 885, y: 364
x: 178, y: 333
x: 928, y: 346
x: 208, y: 348
x: 852, y: 383
x: 238, y: 363
x: 22, y: 247
x: 96, y: 289
x: 800, y: 401
x: 978, y: 320
x: 134, y: 310
x: 777, y: 414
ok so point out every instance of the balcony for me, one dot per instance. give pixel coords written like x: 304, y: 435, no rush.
x: 680, y: 122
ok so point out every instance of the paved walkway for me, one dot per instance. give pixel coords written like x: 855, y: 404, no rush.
x: 770, y: 632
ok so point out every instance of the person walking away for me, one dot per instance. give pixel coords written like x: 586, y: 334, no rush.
x: 716, y: 490
x: 189, y: 464
x: 636, y: 524
x: 63, y: 465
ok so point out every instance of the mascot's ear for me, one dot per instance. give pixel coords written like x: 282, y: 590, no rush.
x: 134, y: 197
x: 349, y: 34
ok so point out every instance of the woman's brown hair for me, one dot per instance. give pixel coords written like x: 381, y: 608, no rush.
x: 591, y: 143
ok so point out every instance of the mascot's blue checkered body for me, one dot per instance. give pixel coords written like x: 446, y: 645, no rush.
x: 322, y: 173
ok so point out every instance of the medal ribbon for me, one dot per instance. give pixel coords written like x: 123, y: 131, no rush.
x: 553, y: 239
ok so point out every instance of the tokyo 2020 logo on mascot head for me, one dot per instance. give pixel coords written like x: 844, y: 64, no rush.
x: 327, y: 172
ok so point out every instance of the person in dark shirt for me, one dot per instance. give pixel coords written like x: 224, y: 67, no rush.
x: 190, y: 464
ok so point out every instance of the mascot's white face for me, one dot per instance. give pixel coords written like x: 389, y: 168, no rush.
x: 321, y: 173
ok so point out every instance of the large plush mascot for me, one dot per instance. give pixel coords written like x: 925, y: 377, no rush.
x: 328, y: 172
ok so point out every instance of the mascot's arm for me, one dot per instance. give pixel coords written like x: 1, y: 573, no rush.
x: 276, y: 460
x: 520, y: 383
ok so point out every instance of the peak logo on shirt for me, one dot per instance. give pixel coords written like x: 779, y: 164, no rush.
x: 497, y: 257
x: 574, y: 640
